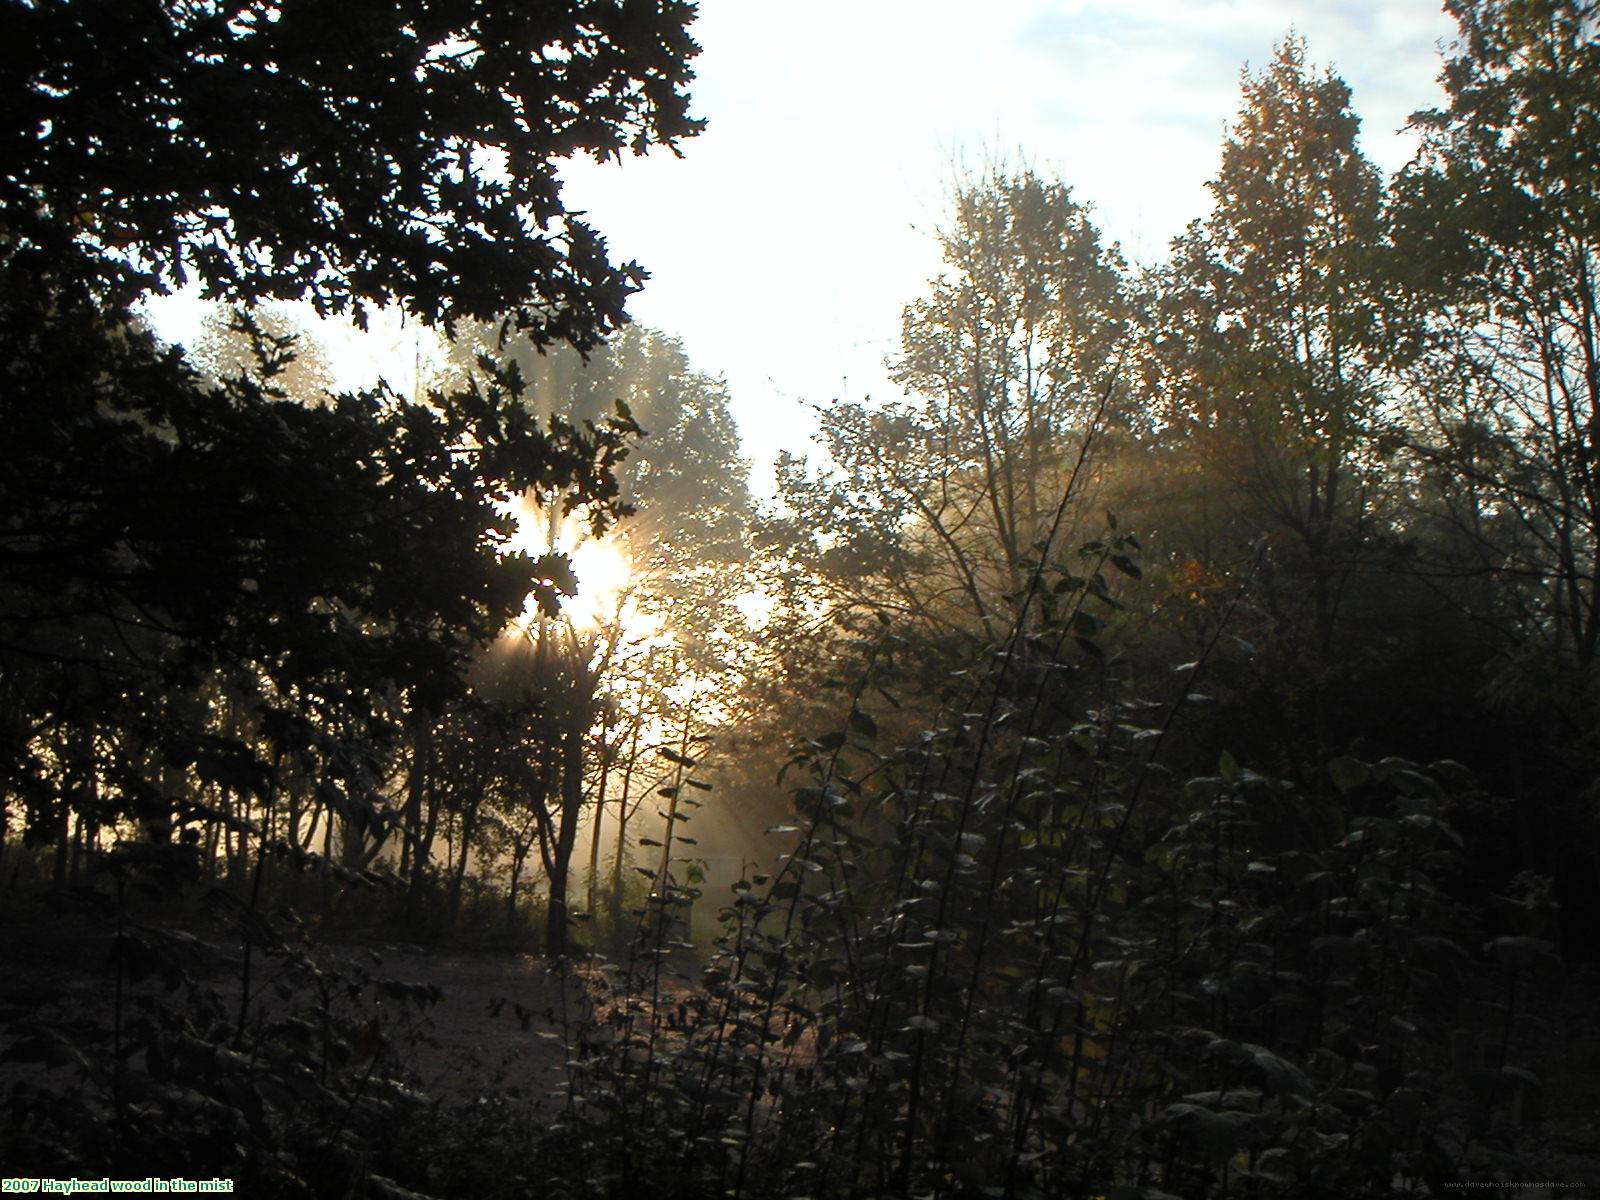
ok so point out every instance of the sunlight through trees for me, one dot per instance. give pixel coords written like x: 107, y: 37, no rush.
x: 1151, y: 754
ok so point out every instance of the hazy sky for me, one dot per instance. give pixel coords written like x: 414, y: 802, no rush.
x: 785, y: 241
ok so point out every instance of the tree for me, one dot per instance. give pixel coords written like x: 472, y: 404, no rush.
x: 1501, y: 206
x: 933, y: 507
x: 230, y: 338
x: 403, y: 155
x: 685, y: 483
x: 1266, y: 350
x: 332, y: 565
x: 1500, y: 213
x: 684, y: 547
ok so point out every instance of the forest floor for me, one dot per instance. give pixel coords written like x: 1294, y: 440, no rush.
x: 502, y: 1022
x: 1559, y: 1039
x: 467, y: 1023
x: 494, y: 1020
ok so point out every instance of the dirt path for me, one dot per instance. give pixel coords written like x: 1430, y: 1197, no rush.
x: 503, y: 1022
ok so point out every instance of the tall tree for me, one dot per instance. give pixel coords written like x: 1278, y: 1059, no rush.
x: 1266, y: 344
x: 932, y: 507
x: 1501, y: 223
x: 1501, y: 212
x: 680, y: 556
x: 231, y: 338
x: 685, y: 481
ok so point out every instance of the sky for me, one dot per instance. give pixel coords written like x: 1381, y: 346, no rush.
x: 785, y: 241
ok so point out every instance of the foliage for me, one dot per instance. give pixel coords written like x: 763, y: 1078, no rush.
x: 1505, y: 393
x: 1050, y: 916
x: 1265, y: 342
x: 226, y: 349
x: 171, y: 559
x: 685, y: 482
x: 931, y: 509
x: 291, y: 1081
x: 224, y: 596
x: 1014, y: 957
x: 402, y: 155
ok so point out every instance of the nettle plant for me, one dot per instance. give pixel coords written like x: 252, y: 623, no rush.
x: 1015, y: 957
x: 244, y: 1051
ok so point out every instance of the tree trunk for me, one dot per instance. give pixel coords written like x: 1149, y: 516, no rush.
x: 599, y: 809
x: 469, y: 824
x: 566, y: 833
x: 622, y: 820
x: 518, y: 857
x: 413, y: 849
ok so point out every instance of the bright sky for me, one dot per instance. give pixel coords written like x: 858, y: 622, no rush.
x: 785, y: 242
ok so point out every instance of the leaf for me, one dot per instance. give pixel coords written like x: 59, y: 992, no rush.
x: 1348, y: 773
x: 1282, y: 1078
x: 388, y: 1189
x: 1523, y: 953
x: 1218, y: 1134
x: 47, y: 1047
x: 1451, y: 771
x: 1228, y: 767
x: 862, y: 723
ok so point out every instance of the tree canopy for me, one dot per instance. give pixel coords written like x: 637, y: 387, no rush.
x: 322, y: 560
x: 932, y: 507
x: 394, y: 153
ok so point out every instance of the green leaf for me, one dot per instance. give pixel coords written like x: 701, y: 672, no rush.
x: 45, y: 1046
x: 862, y: 723
x: 1348, y: 773
x: 1228, y: 767
x: 1282, y: 1078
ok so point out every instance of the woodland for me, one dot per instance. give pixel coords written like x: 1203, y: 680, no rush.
x: 1153, y: 755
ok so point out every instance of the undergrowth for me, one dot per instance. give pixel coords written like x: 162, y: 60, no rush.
x: 1014, y: 956
x: 1017, y: 958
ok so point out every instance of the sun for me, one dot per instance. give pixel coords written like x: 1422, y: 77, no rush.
x: 604, y: 574
x: 604, y: 579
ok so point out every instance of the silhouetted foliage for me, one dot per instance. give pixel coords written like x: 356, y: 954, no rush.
x: 1180, y: 703
x: 402, y: 154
